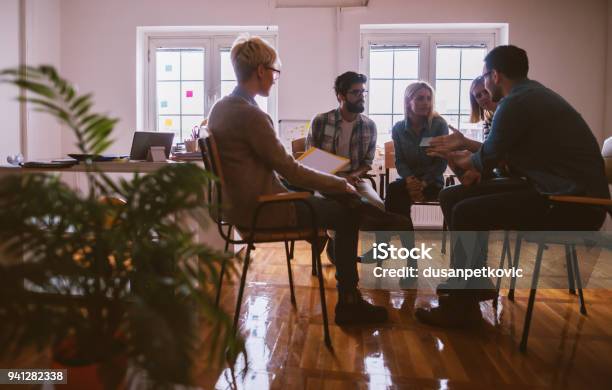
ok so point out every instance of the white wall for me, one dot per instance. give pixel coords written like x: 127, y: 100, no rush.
x: 42, y: 18
x: 566, y: 41
x: 608, y: 108
x: 9, y: 107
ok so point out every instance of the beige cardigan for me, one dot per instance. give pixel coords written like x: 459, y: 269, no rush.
x: 251, y: 155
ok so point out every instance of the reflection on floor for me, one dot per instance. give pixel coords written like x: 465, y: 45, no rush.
x: 286, y: 349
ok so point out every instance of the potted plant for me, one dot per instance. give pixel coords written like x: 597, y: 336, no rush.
x: 106, y: 282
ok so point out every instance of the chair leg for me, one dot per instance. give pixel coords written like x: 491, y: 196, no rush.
x: 570, y: 271
x: 291, y: 249
x: 218, y: 297
x: 316, y: 258
x: 288, y: 255
x: 245, y: 268
x: 502, y: 260
x: 444, y: 228
x: 532, y: 294
x: 578, y: 281
x: 515, y: 263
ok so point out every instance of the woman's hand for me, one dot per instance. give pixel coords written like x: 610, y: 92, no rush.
x: 444, y: 144
x: 415, y: 188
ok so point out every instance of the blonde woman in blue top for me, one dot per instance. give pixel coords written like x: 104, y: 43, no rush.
x: 420, y: 175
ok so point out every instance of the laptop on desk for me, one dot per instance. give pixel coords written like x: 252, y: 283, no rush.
x: 143, y: 140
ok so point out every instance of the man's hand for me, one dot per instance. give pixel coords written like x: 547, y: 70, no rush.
x: 470, y: 177
x: 350, y: 189
x: 354, y: 178
x: 445, y: 144
x: 461, y: 159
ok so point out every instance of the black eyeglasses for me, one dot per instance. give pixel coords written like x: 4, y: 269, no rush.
x: 276, y: 72
x: 358, y: 92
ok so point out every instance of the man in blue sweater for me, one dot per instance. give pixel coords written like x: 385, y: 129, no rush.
x: 548, y: 148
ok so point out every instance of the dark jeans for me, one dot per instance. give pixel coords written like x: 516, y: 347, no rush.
x: 345, y: 218
x: 398, y: 198
x: 505, y: 204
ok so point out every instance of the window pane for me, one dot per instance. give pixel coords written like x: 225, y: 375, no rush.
x: 406, y: 63
x: 227, y: 87
x: 452, y: 120
x: 227, y: 71
x: 381, y: 63
x: 447, y: 63
x: 168, y: 97
x: 397, y: 118
x: 192, y: 64
x: 168, y: 64
x: 399, y: 86
x: 380, y: 97
x: 192, y: 95
x: 170, y: 124
x: 383, y: 125
x: 465, y: 96
x: 447, y: 96
x: 472, y: 62
x: 187, y: 125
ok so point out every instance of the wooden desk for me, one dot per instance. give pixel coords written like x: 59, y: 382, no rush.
x: 107, y: 167
x: 73, y: 177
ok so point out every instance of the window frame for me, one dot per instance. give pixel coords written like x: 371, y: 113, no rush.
x: 427, y: 40
x: 212, y: 42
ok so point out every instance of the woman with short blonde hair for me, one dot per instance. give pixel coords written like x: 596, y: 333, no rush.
x: 248, y: 52
x: 253, y: 158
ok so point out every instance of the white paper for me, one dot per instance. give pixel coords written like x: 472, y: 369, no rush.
x: 323, y: 161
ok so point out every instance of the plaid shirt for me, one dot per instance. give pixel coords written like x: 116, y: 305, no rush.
x: 325, y: 132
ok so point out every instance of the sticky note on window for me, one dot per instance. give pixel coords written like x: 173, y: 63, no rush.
x: 167, y: 122
x: 189, y: 94
x: 163, y: 104
x: 168, y: 68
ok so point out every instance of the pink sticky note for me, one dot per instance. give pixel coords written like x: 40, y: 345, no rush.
x: 189, y: 94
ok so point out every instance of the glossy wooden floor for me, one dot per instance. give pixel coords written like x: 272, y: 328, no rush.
x: 286, y: 349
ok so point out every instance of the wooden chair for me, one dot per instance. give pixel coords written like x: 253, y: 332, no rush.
x: 568, y: 240
x: 390, y: 164
x: 254, y: 235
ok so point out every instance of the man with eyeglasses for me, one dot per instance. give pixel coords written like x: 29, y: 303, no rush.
x: 345, y: 131
x: 549, y: 149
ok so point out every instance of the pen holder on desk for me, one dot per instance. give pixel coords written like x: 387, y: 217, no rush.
x: 191, y: 146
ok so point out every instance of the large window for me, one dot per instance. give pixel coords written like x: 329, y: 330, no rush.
x: 185, y: 75
x: 449, y: 62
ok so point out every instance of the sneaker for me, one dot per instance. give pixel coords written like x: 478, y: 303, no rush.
x: 359, y: 312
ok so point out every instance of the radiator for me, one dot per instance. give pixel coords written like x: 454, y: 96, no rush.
x: 427, y: 217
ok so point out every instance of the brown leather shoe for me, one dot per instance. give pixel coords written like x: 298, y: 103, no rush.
x: 354, y: 310
x: 451, y: 313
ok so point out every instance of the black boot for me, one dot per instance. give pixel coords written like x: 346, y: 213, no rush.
x: 352, y: 309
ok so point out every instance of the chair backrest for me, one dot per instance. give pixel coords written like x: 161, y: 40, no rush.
x: 212, y: 164
x: 606, y: 152
x: 298, y: 147
x: 389, y: 155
